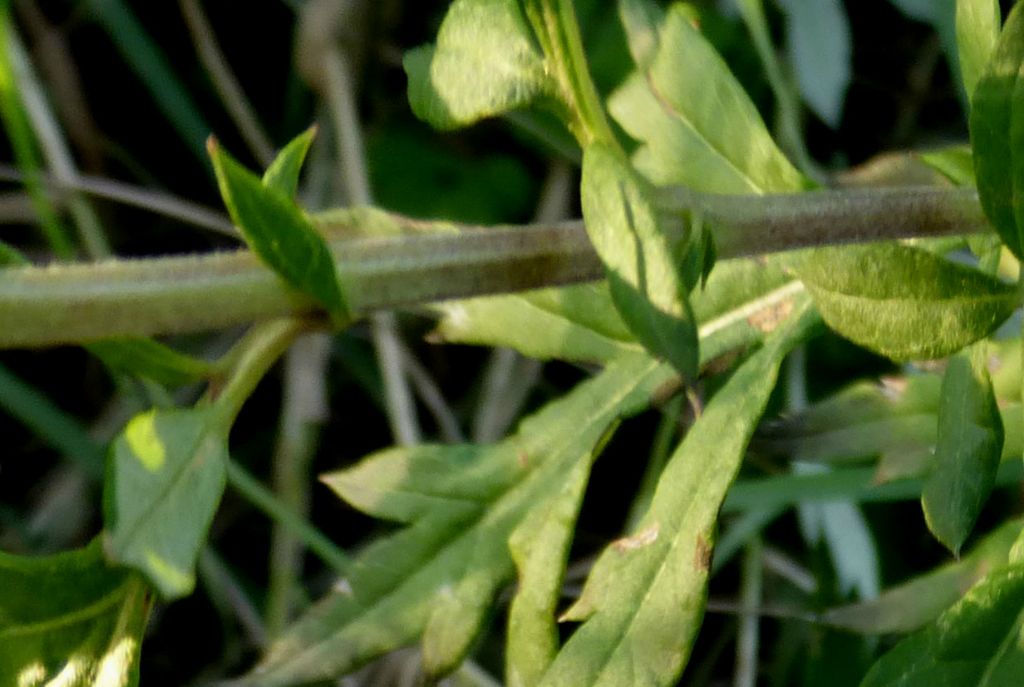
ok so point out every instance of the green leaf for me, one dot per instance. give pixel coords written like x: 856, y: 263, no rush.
x: 647, y: 285
x: 540, y: 549
x: 11, y: 256
x: 977, y: 32
x: 283, y: 173
x: 437, y: 577
x: 642, y: 20
x: 486, y: 62
x: 150, y: 359
x: 644, y: 599
x: 967, y: 452
x: 165, y: 477
x: 820, y: 51
x: 903, y: 302
x: 997, y: 134
x: 279, y: 233
x: 70, y: 619
x: 956, y: 163
x: 976, y: 643
x: 916, y: 603
x: 697, y: 126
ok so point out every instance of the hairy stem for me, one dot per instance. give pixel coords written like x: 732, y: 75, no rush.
x: 60, y: 304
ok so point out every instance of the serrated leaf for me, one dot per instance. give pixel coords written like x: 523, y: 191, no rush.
x: 697, y: 125
x: 647, y: 284
x: 970, y: 443
x: 644, y: 599
x: 486, y: 62
x: 165, y: 477
x: 279, y: 233
x: 71, y: 620
x: 439, y: 575
x: 977, y: 32
x: 997, y: 134
x: 283, y: 173
x: 150, y: 359
x: 820, y: 50
x: 916, y: 603
x: 903, y: 302
x: 540, y: 550
x: 976, y: 643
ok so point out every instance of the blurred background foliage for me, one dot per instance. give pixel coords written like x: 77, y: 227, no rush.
x: 136, y: 102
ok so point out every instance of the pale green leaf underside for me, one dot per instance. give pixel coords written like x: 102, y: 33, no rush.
x: 696, y: 124
x: 903, y: 302
x: 165, y: 478
x: 644, y: 599
x: 977, y: 31
x: 485, y: 63
x: 437, y: 577
x: 976, y: 643
x: 71, y: 620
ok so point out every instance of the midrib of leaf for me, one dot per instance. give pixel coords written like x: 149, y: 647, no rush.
x: 173, y: 483
x: 93, y: 610
x: 681, y: 116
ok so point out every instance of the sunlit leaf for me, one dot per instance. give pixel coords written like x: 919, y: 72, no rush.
x: 165, y: 477
x: 486, y: 62
x: 970, y: 443
x: 644, y: 599
x: 70, y: 620
x: 283, y: 173
x: 997, y: 133
x: 645, y: 275
x: 697, y: 125
x: 436, y: 578
x: 903, y: 302
x: 977, y: 31
x: 279, y: 233
x: 956, y: 163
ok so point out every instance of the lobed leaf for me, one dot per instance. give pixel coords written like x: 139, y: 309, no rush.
x: 903, y: 302
x: 696, y: 124
x: 967, y: 453
x: 976, y: 643
x: 649, y: 288
x: 71, y: 620
x: 165, y: 477
x: 997, y: 134
x: 486, y: 62
x: 279, y: 232
x: 977, y: 32
x: 436, y: 578
x: 644, y: 599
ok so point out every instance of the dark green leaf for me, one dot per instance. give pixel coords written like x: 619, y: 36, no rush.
x: 967, y: 452
x: 438, y: 576
x: 697, y: 125
x: 644, y: 599
x: 976, y: 643
x: 918, y: 602
x: 977, y: 31
x: 486, y: 62
x: 279, y: 233
x: 997, y: 134
x: 70, y: 620
x: 283, y: 173
x: 11, y: 256
x: 165, y: 477
x: 647, y: 286
x: 903, y: 302
x: 152, y: 360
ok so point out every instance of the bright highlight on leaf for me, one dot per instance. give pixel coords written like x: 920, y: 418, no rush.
x: 276, y: 229
x: 977, y: 31
x: 903, y: 302
x: 165, y: 477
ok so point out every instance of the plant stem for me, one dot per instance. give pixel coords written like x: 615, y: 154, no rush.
x: 42, y: 306
x: 748, y: 641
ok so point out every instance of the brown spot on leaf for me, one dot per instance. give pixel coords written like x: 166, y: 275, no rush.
x: 766, y: 320
x: 702, y: 554
x: 523, y: 459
